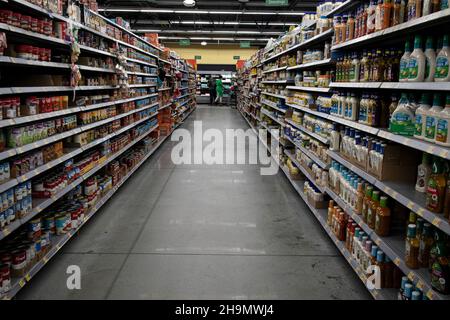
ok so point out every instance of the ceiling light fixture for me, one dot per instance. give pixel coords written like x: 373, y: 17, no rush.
x: 189, y: 3
x: 273, y: 13
x: 204, y: 43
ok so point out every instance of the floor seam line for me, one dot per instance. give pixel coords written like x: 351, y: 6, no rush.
x: 206, y: 254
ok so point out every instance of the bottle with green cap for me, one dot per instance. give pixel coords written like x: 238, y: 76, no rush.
x: 431, y: 118
x: 372, y: 210
x: 383, y: 218
x: 442, y: 62
x: 430, y: 62
x: 404, y: 63
x: 421, y: 112
x: 442, y: 126
x: 412, y: 248
x: 417, y: 60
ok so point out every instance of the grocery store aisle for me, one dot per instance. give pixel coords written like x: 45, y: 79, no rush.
x: 201, y: 232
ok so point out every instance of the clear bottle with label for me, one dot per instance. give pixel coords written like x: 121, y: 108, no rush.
x: 421, y: 113
x: 383, y: 218
x: 423, y: 173
x: 402, y: 120
x: 371, y: 16
x: 372, y: 210
x: 425, y: 243
x: 404, y: 63
x: 355, y: 68
x: 417, y: 60
x: 442, y: 126
x: 335, y: 138
x: 442, y: 73
x: 431, y: 118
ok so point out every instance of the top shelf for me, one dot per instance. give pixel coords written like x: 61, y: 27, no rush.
x: 318, y: 38
x: 398, y: 32
x: 344, y: 6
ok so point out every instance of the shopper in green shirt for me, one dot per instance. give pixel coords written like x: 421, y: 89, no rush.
x: 219, y: 90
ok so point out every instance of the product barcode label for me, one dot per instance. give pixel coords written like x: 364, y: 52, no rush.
x: 27, y: 277
x: 397, y: 261
x: 21, y: 283
x: 436, y: 222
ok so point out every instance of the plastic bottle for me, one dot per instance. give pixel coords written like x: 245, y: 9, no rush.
x: 383, y: 218
x: 371, y: 17
x: 335, y: 138
x: 411, y: 10
x: 430, y: 62
x: 423, y: 173
x: 442, y: 126
x: 379, y: 15
x: 431, y: 118
x: 421, y: 113
x: 416, y: 64
x: 386, y: 11
x: 412, y: 248
x: 442, y: 62
x: 427, y: 7
x: 404, y: 63
x: 435, y: 194
x: 435, y: 6
x: 372, y: 210
x: 355, y: 68
x: 397, y: 13
x: 402, y: 120
x: 426, y: 241
x: 444, y: 4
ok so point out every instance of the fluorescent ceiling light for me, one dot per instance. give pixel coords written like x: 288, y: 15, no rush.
x: 199, y: 38
x: 204, y: 43
x: 291, y: 13
x: 262, y: 13
x: 156, y: 11
x: 273, y: 13
x: 225, y: 12
x: 191, y: 11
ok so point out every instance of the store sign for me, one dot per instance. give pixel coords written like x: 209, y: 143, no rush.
x: 237, y: 57
x: 185, y: 42
x: 198, y: 57
x: 245, y: 44
x: 277, y: 2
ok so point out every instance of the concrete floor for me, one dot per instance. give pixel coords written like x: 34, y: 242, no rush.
x: 201, y: 232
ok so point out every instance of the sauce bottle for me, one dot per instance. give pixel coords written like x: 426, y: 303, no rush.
x: 447, y: 200
x: 386, y: 11
x: 397, y: 13
x: 425, y: 243
x: 383, y: 218
x: 423, y: 173
x: 412, y: 248
x: 393, y: 105
x: 378, y: 15
x: 402, y: 119
x: 372, y: 210
x: 404, y: 63
x: 363, y: 28
x: 360, y: 199
x: 436, y: 187
x: 416, y: 65
x: 330, y: 212
x: 364, y: 65
x: 442, y: 126
x: 430, y: 62
x: 411, y: 10
x: 431, y: 118
x: 350, y: 28
x: 442, y: 62
x: 366, y: 202
x: 388, y: 278
x: 440, y: 270
x: 380, y: 263
x: 371, y: 17
x: 355, y: 68
x: 435, y: 6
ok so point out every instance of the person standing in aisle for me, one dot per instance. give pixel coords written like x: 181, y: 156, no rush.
x: 219, y: 90
x: 212, y: 90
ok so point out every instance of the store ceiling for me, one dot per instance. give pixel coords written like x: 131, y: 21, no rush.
x: 225, y: 21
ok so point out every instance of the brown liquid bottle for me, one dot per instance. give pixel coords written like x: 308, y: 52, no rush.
x: 366, y: 203
x: 372, y: 210
x: 383, y: 218
x: 412, y: 248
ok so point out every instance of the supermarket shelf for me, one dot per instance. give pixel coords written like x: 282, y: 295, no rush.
x: 319, y: 63
x: 309, y: 89
x: 312, y: 134
x: 421, y: 86
x: 164, y: 89
x: 274, y: 70
x: 304, y: 171
x: 277, y: 81
x: 165, y: 61
x: 402, y: 192
x: 354, y: 124
x: 393, y: 247
x: 356, y: 85
x: 321, y: 214
x: 416, y: 144
x: 165, y: 106
x: 311, y: 155
x: 308, y: 110
x: 143, y: 74
x: 271, y: 116
x: 5, y: 60
x: 274, y: 95
x: 19, y: 32
x: 344, y: 6
x: 316, y: 39
x: 141, y: 62
x: 20, y: 90
x: 111, y: 103
x: 96, y: 69
x: 143, y: 85
x: 272, y: 105
x: 399, y: 31
x: 59, y: 241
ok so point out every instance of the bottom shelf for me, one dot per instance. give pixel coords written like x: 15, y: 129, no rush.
x: 59, y: 241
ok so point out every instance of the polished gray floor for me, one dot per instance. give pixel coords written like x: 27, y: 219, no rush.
x: 201, y: 232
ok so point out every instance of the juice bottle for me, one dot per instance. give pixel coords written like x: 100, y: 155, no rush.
x: 397, y: 13
x: 378, y: 15
x: 417, y: 59
x: 442, y: 62
x: 436, y: 187
x: 426, y: 242
x: 342, y: 28
x: 423, y: 173
x: 330, y: 212
x: 382, y: 266
x: 386, y: 14
x: 360, y: 198
x: 412, y: 248
x: 363, y: 27
x: 366, y: 202
x: 337, y: 22
x: 371, y: 17
x: 372, y: 210
x: 431, y: 118
x: 419, y: 7
x: 430, y: 62
x: 404, y: 63
x: 383, y: 218
x: 442, y: 128
x: 350, y: 28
